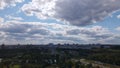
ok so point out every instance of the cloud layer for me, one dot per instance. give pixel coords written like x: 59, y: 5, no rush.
x: 76, y: 12
x: 14, y: 32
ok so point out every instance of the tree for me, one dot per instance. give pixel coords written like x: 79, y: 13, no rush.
x: 69, y: 64
x: 88, y: 66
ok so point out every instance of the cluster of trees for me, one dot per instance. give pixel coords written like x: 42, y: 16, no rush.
x: 106, y: 56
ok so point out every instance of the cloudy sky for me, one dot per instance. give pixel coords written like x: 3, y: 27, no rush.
x: 59, y: 21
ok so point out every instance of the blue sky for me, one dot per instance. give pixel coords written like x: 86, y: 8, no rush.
x: 64, y: 21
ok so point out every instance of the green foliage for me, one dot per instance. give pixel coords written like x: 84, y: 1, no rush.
x: 42, y: 58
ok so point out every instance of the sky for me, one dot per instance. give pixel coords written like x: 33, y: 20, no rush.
x: 59, y: 21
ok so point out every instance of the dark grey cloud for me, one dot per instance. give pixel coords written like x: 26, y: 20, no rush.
x: 76, y: 12
x: 14, y: 28
x: 73, y: 32
x: 84, y: 12
x: 95, y: 33
x: 39, y: 31
x: 22, y: 31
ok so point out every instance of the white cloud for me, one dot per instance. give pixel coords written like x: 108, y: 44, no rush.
x: 76, y: 12
x: 14, y: 18
x: 7, y: 3
x: 118, y: 28
x: 1, y: 19
x: 118, y: 16
x: 39, y: 8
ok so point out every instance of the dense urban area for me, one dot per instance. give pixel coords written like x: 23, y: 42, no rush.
x: 60, y: 56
